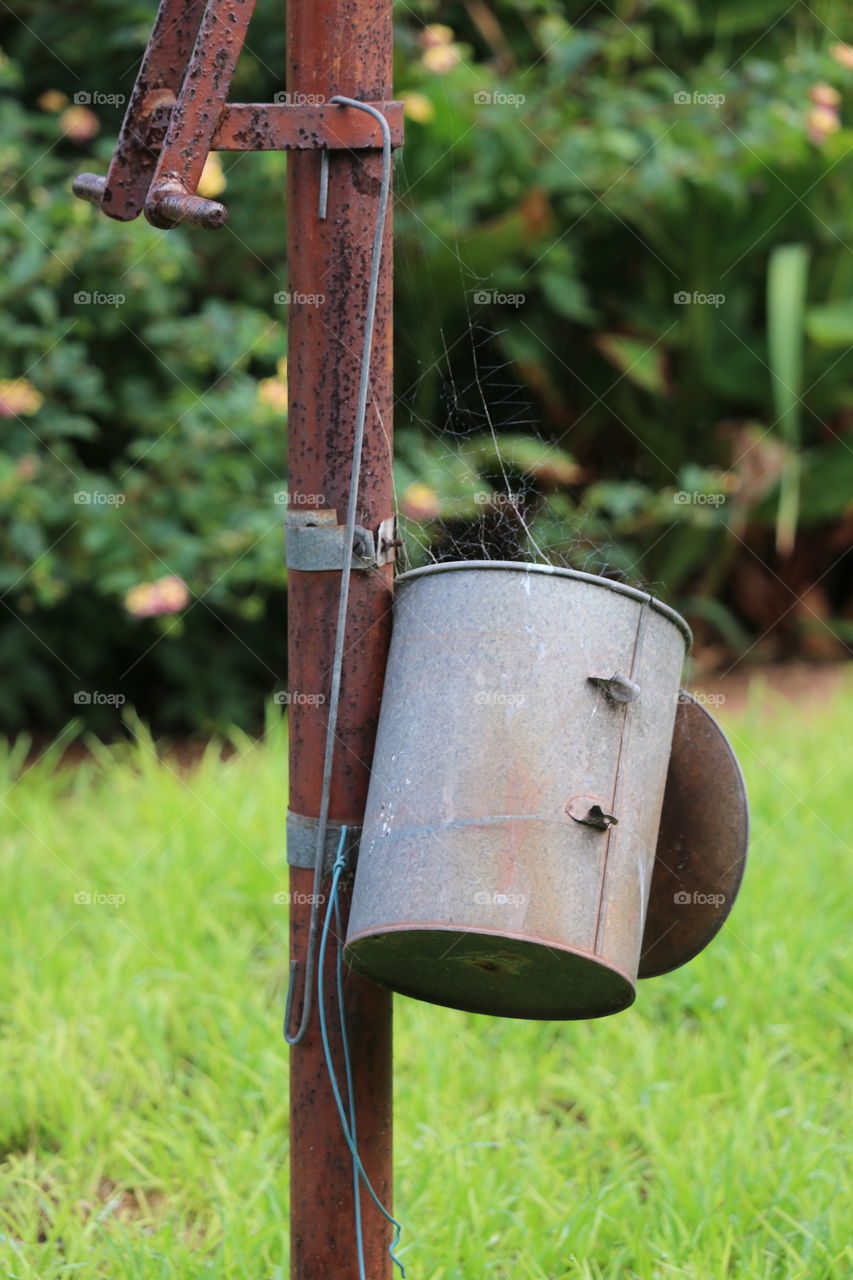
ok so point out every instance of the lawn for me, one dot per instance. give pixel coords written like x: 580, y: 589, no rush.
x: 144, y: 1107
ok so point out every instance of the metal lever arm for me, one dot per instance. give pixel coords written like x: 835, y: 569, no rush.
x: 194, y: 118
x: 172, y: 206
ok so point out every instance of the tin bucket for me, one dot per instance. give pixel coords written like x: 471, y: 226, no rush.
x: 518, y: 777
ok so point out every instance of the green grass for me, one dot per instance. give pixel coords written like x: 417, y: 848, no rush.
x: 143, y: 1118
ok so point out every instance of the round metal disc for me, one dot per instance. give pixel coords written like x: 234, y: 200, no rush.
x: 702, y: 843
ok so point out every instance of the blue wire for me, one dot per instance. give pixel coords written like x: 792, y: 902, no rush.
x: 356, y: 1181
x: 348, y: 1131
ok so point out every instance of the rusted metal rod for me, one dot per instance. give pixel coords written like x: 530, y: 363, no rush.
x: 90, y: 187
x: 171, y: 203
x: 332, y: 49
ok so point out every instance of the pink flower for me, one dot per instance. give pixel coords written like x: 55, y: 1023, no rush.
x: 151, y: 599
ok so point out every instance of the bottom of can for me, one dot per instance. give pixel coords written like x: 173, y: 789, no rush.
x: 481, y: 971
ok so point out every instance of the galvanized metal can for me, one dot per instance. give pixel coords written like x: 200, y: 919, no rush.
x: 517, y: 783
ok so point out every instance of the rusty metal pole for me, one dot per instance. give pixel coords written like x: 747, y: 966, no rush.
x: 337, y: 48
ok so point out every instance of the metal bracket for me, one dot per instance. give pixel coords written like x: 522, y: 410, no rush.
x: 316, y: 543
x: 617, y: 688
x: 589, y: 811
x: 177, y: 114
x: 302, y: 842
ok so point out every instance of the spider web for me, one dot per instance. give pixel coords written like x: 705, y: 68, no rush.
x: 490, y: 482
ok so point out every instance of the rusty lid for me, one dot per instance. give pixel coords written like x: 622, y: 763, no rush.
x: 702, y: 843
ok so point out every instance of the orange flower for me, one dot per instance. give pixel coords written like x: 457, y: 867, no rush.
x: 823, y: 95
x: 843, y: 54
x: 79, y: 124
x: 821, y: 122
x: 18, y: 397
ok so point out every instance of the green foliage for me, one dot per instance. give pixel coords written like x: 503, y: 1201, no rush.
x: 626, y: 156
x: 154, y: 446
x: 659, y: 160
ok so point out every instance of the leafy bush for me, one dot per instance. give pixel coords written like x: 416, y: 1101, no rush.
x: 658, y: 153
x: 625, y: 213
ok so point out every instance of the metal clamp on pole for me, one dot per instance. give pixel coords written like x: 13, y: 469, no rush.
x: 316, y: 543
x: 302, y: 842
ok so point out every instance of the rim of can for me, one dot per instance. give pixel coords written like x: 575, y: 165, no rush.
x: 555, y: 571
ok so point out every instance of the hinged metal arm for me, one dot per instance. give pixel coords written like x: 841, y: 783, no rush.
x: 177, y: 115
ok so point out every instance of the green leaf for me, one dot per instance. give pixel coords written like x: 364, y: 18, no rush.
x: 832, y: 324
x: 787, y: 279
x: 639, y: 360
x: 827, y: 484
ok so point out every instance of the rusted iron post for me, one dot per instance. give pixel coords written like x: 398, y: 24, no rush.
x: 337, y: 48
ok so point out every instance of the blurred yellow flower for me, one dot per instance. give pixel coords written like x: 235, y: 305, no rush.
x: 52, y: 100
x: 843, y: 54
x: 821, y: 122
x: 419, y: 502
x: 273, y: 393
x: 440, y: 53
x: 212, y: 181
x: 18, y: 397
x: 436, y: 33
x: 441, y: 59
x: 419, y: 107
